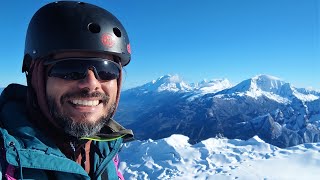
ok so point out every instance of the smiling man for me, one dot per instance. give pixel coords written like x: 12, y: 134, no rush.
x: 82, y: 106
x: 60, y: 125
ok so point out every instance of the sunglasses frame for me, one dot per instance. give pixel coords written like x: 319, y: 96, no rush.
x: 89, y: 67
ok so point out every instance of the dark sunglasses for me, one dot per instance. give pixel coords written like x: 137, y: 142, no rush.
x: 77, y: 68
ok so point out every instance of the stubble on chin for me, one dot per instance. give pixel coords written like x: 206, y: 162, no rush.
x: 81, y: 127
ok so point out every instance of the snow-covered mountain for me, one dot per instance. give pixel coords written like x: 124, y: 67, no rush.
x: 174, y: 83
x: 218, y: 158
x: 264, y: 105
x: 212, y: 86
x: 272, y: 88
x: 165, y: 83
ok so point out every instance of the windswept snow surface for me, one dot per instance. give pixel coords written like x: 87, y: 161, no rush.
x: 218, y: 158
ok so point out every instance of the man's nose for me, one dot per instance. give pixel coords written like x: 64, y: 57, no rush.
x: 90, y: 81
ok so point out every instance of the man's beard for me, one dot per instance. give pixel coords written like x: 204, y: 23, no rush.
x: 80, y: 128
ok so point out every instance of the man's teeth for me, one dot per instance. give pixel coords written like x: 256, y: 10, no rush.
x: 85, y: 102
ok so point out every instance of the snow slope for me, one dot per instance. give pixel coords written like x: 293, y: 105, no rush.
x: 218, y: 158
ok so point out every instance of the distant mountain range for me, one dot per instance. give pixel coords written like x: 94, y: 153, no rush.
x: 264, y: 105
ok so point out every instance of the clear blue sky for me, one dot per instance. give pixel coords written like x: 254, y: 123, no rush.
x: 202, y: 39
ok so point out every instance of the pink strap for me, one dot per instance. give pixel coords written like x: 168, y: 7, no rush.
x: 10, y: 169
x: 10, y: 172
x: 116, y: 163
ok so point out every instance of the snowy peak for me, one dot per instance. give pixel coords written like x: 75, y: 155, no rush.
x: 260, y: 83
x: 263, y: 85
x: 213, y: 86
x: 267, y: 83
x: 272, y: 88
x: 167, y: 83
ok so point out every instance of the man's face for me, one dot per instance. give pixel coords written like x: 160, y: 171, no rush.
x: 81, y: 107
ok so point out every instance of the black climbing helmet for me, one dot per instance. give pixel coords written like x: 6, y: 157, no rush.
x: 74, y: 26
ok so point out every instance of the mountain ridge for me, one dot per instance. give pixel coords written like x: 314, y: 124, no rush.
x: 289, y: 112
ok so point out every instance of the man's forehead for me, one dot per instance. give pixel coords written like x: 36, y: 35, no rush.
x: 82, y: 54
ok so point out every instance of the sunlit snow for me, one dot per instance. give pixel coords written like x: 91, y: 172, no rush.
x: 218, y: 158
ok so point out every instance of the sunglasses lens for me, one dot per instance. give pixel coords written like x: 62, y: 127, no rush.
x: 112, y: 72
x: 68, y: 70
x: 77, y: 69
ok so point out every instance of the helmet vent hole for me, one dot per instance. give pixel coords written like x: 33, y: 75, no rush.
x: 81, y: 3
x: 117, y: 32
x: 94, y: 28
